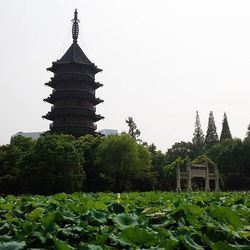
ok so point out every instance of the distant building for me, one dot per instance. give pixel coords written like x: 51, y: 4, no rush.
x: 73, y: 96
x: 107, y: 132
x: 36, y: 135
x: 33, y: 135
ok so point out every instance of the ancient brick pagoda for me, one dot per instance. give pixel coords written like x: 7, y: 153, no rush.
x: 73, y: 98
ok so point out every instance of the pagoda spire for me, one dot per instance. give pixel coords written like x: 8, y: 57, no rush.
x: 75, y: 27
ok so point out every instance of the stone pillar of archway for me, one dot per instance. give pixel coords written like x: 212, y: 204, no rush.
x: 217, y: 187
x: 207, y: 187
x: 189, y: 188
x: 178, y: 179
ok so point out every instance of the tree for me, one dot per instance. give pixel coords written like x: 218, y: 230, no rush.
x: 144, y: 178
x: 25, y: 144
x: 133, y: 130
x: 158, y: 164
x: 54, y: 165
x: 198, y: 136
x: 181, y: 149
x: 122, y: 160
x: 170, y: 172
x: 151, y: 148
x: 158, y: 160
x: 244, y: 168
x: 211, y: 136
x: 87, y: 147
x: 225, y: 132
x: 10, y: 157
x: 248, y: 132
x: 228, y: 156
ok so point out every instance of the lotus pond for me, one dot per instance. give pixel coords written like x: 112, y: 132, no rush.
x: 151, y: 220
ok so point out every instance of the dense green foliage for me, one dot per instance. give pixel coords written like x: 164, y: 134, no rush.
x: 60, y: 163
x: 53, y: 165
x: 233, y: 160
x: 124, y: 163
x: 128, y: 221
x: 87, y: 147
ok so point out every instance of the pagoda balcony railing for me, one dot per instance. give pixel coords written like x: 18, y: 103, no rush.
x: 74, y: 107
x: 70, y: 86
x: 74, y: 75
x: 74, y: 89
x: 88, y: 125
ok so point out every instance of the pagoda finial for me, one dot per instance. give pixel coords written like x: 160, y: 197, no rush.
x: 75, y: 27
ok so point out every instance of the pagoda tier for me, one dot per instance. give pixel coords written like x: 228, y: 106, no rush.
x: 73, y: 96
x: 57, y: 80
x: 72, y: 112
x: 77, y: 95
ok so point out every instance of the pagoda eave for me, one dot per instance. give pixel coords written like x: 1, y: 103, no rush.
x: 98, y: 101
x: 98, y: 118
x: 91, y: 66
x: 54, y: 82
x: 72, y: 111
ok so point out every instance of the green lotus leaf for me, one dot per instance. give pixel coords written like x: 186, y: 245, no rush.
x: 61, y: 196
x: 4, y: 228
x: 222, y: 245
x: 99, y: 216
x: 100, y: 239
x: 48, y: 219
x: 125, y: 220
x: 190, y: 243
x: 7, y: 207
x: 40, y: 236
x: 193, y: 210
x: 137, y: 237
x: 116, y: 208
x: 84, y: 246
x: 227, y: 215
x: 150, y: 210
x: 62, y: 245
x: 36, y: 213
x: 170, y: 244
x: 14, y: 245
x: 5, y: 238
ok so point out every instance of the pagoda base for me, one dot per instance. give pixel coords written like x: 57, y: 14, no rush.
x: 76, y: 131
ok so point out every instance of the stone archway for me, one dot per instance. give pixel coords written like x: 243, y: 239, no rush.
x: 197, y: 170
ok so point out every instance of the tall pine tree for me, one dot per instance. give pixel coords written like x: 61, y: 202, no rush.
x: 198, y: 136
x: 225, y: 132
x: 248, y: 132
x: 211, y: 136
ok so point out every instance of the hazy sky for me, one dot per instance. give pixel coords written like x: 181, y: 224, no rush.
x: 162, y: 60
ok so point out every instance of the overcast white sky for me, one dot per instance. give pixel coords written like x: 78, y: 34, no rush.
x: 162, y: 60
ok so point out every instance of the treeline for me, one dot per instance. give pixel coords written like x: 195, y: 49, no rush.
x: 60, y: 163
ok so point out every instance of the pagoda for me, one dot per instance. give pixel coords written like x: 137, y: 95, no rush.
x: 73, y: 98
